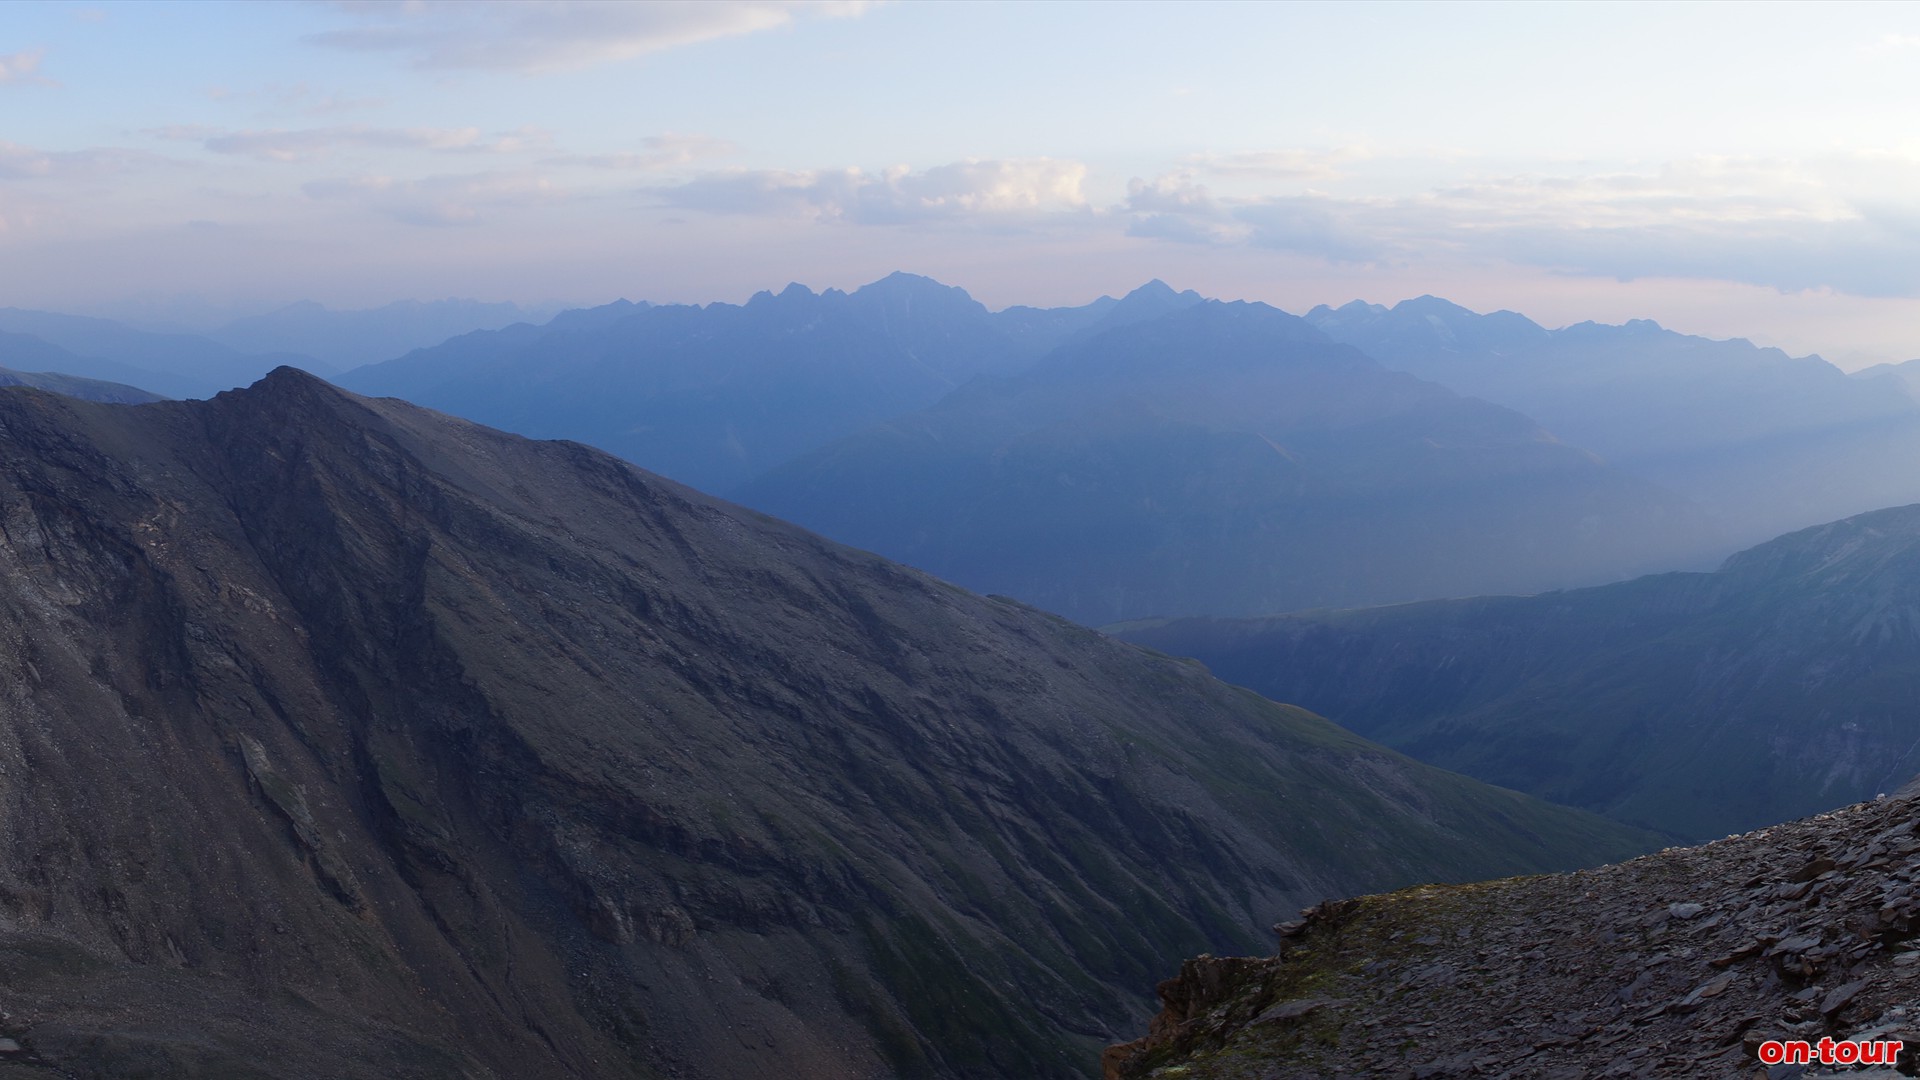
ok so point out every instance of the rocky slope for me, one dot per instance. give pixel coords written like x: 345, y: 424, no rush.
x: 343, y: 739
x: 1679, y: 964
x: 1699, y: 704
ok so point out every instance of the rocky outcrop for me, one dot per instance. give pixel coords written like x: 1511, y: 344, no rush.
x: 1680, y: 963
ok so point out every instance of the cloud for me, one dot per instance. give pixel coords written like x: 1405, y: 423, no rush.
x: 559, y: 35
x: 661, y: 152
x: 308, y: 143
x: 1002, y: 191
x: 22, y: 68
x: 439, y: 200
x: 1844, y: 224
x: 1174, y: 207
x: 26, y: 163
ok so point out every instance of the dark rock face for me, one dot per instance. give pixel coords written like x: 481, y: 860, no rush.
x: 1698, y: 704
x: 343, y: 739
x: 1677, y: 964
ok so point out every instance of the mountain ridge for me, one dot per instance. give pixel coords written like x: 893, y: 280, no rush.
x: 560, y: 769
x: 1227, y: 458
x: 1699, y: 703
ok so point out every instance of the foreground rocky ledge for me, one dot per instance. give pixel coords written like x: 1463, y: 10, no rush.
x: 1681, y: 963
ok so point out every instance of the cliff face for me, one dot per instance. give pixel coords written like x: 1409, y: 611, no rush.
x: 1682, y: 963
x: 339, y: 738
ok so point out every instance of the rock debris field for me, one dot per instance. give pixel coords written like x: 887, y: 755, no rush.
x: 1677, y: 964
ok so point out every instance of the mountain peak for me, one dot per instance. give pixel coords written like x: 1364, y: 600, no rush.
x: 902, y: 282
x: 917, y: 290
x: 794, y: 293
x: 1149, y: 301
x: 1159, y: 292
x: 1429, y: 304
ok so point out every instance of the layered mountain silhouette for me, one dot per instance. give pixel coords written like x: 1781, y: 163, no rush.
x: 172, y: 364
x: 1903, y: 376
x: 713, y: 395
x: 1764, y: 441
x: 343, y: 340
x: 73, y: 386
x: 346, y: 739
x: 1229, y: 459
x: 27, y: 361
x: 1780, y: 685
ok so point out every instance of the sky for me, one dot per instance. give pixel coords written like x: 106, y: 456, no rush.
x: 1725, y: 169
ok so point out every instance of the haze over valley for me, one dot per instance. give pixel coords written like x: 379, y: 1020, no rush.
x: 854, y: 541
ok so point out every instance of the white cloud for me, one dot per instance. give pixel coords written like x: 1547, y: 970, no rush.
x: 24, y: 68
x: 439, y: 200
x: 308, y: 143
x: 661, y: 152
x: 1844, y: 224
x: 1004, y: 190
x: 559, y: 35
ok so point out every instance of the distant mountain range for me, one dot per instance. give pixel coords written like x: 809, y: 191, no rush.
x: 1227, y: 458
x: 1007, y: 455
x: 1783, y: 684
x: 176, y: 365
x: 1905, y: 376
x: 345, y: 739
x: 74, y: 386
x: 184, y: 364
x: 1763, y: 441
x: 715, y: 395
x: 342, y: 340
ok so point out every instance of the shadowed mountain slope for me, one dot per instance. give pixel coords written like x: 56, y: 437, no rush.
x: 343, y: 739
x: 1781, y: 685
x: 713, y: 395
x: 1228, y: 459
x: 1681, y: 964
x: 1764, y: 441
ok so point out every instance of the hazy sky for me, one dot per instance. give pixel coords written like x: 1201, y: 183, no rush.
x: 1725, y: 169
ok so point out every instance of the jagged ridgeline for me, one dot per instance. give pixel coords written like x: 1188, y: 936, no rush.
x: 344, y: 739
